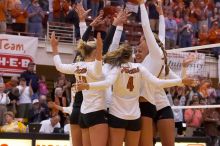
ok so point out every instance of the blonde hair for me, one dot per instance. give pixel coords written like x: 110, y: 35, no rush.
x: 119, y: 56
x: 86, y: 48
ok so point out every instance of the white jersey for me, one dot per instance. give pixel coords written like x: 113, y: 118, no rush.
x: 154, y: 61
x: 25, y: 94
x: 108, y: 93
x: 87, y: 72
x: 126, y: 81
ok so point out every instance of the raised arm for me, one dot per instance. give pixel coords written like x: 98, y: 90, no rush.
x: 83, y: 28
x: 119, y: 21
x: 116, y: 39
x: 154, y: 49
x: 97, y: 68
x: 64, y: 68
x: 162, y: 30
x: 108, y: 39
x: 82, y: 14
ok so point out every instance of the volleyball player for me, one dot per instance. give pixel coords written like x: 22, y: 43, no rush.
x: 148, y: 108
x: 156, y: 62
x: 92, y: 116
x: 76, y: 132
x: 126, y: 77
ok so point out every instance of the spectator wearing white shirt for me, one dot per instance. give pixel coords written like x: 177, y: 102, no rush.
x: 4, y: 100
x: 47, y: 126
x: 178, y: 117
x: 24, y: 102
x: 181, y: 95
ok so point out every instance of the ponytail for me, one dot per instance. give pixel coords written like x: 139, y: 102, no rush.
x: 119, y: 56
x: 86, y: 48
x: 160, y: 44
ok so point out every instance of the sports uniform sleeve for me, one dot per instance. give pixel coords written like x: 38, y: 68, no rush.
x: 109, y: 80
x: 97, y: 68
x: 116, y: 39
x: 64, y: 68
x: 154, y: 49
x: 173, y: 75
x: 147, y: 76
x: 162, y: 30
x: 83, y: 27
x: 183, y: 72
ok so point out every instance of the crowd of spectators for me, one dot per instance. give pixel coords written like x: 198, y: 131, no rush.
x: 25, y: 100
x: 199, y: 122
x: 188, y: 23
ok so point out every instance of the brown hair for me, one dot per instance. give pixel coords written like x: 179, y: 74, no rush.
x: 160, y: 44
x: 86, y: 48
x: 119, y: 56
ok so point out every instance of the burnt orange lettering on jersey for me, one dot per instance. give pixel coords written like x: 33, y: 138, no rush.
x: 130, y: 71
x: 80, y: 70
x: 130, y: 84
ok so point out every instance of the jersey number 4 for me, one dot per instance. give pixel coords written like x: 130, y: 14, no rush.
x: 130, y: 84
x: 83, y: 79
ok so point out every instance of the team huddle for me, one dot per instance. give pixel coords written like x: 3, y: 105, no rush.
x: 119, y: 97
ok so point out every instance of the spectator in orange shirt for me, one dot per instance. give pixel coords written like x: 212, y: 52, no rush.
x: 60, y: 9
x: 12, y: 83
x: 203, y: 35
x: 10, y: 5
x: 214, y: 33
x: 214, y: 37
x: 3, y: 11
x: 20, y: 15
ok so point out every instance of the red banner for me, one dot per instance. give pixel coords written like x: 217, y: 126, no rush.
x: 15, y: 53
